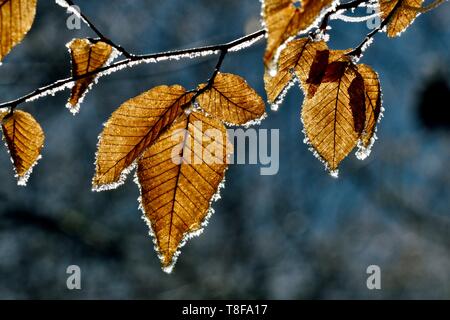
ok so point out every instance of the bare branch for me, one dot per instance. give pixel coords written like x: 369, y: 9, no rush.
x: 135, y: 60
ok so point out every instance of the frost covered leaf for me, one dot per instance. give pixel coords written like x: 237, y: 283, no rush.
x: 373, y: 105
x: 16, y: 19
x: 132, y: 128
x: 179, y: 176
x: 24, y: 138
x: 231, y: 100
x: 334, y: 117
x: 86, y: 57
x: 295, y: 60
x: 405, y: 11
x: 287, y: 18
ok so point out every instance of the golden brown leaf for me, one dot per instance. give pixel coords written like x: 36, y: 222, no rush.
x: 295, y: 60
x: 287, y: 18
x: 232, y: 100
x: 179, y: 177
x: 86, y: 57
x: 24, y: 138
x: 334, y: 117
x: 373, y: 109
x: 405, y: 13
x: 16, y: 19
x: 132, y: 128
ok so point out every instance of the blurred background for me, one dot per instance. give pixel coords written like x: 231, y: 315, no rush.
x: 297, y: 235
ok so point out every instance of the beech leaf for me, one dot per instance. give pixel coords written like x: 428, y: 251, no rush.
x: 176, y: 192
x: 24, y: 139
x: 16, y: 19
x: 285, y: 19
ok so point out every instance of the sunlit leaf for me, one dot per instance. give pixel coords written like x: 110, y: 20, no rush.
x: 132, y: 128
x: 373, y: 109
x: 16, y: 19
x: 86, y: 57
x: 405, y: 13
x: 24, y: 138
x: 232, y: 100
x: 179, y: 176
x: 287, y: 18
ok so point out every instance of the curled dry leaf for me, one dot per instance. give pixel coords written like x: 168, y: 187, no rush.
x: 24, y: 138
x: 132, y: 128
x: 86, y: 57
x: 402, y: 12
x: 179, y: 176
x: 334, y: 117
x: 231, y: 100
x: 285, y: 19
x: 296, y: 60
x: 373, y: 109
x: 16, y: 19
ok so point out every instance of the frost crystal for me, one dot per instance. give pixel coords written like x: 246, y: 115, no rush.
x: 71, y: 9
x: 74, y: 109
x: 363, y: 152
x: 279, y: 100
x: 62, y: 3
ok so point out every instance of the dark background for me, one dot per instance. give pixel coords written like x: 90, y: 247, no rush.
x: 298, y: 234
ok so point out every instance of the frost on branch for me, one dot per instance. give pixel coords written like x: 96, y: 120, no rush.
x: 176, y: 195
x: 132, y: 128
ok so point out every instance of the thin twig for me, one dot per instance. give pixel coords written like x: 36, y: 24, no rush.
x: 342, y: 6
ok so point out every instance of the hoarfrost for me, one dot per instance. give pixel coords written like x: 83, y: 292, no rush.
x: 364, y: 151
x: 71, y: 9
x: 279, y: 100
x: 343, y: 17
x: 74, y: 109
